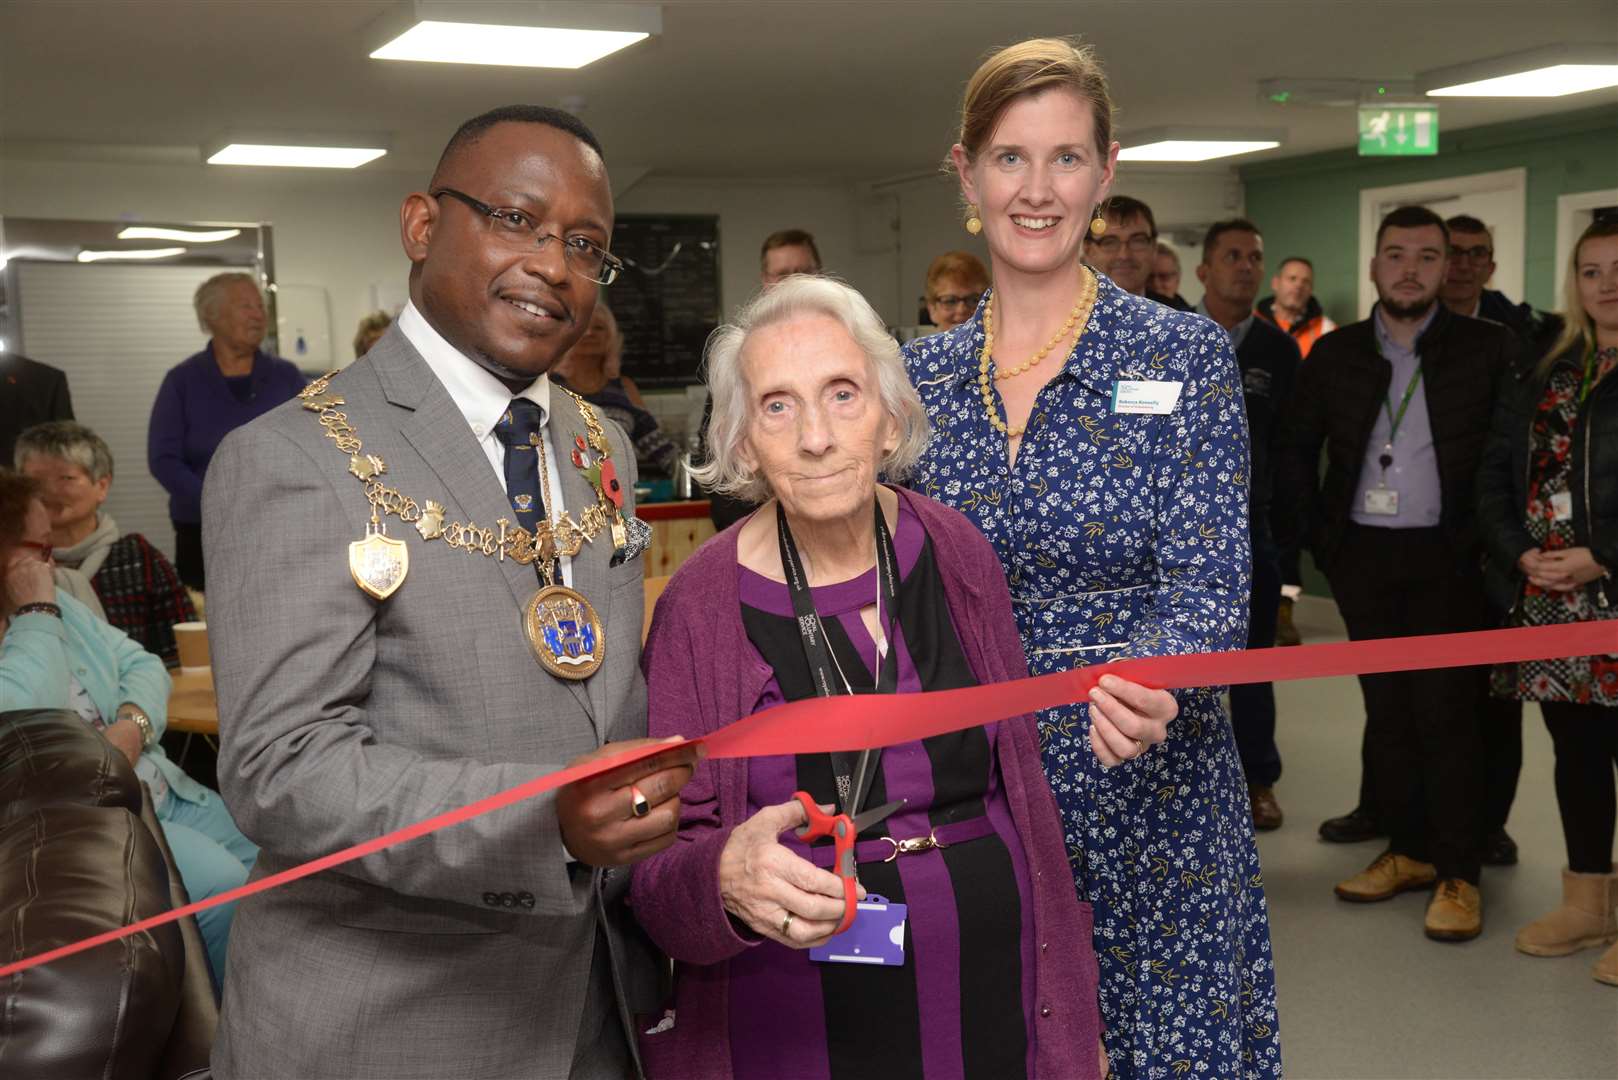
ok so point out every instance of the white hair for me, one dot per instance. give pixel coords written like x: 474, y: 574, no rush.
x: 803, y: 294
x: 211, y: 293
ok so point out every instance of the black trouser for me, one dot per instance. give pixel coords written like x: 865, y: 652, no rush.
x: 1423, y: 739
x: 1502, y: 758
x: 1586, y: 742
x: 1252, y: 706
x: 188, y: 554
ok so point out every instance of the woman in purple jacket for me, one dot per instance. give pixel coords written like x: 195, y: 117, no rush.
x: 207, y: 396
x: 840, y: 585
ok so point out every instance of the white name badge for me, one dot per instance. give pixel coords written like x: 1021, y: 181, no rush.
x: 1145, y: 396
x: 1384, y: 501
x: 1562, y: 506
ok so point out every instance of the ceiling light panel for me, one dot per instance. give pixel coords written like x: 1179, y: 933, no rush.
x: 131, y: 253
x: 1552, y: 71
x: 504, y: 45
x: 193, y: 236
x: 1193, y: 149
x: 1557, y: 80
x: 297, y: 157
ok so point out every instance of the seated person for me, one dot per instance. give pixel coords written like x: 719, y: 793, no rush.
x: 54, y: 654
x: 136, y: 584
x: 584, y: 370
x: 956, y: 281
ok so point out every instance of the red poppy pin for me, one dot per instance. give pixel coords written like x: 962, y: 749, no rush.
x: 609, y: 483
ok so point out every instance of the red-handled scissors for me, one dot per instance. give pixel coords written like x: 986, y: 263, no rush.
x: 845, y: 831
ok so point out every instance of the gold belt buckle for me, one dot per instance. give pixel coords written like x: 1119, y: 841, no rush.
x: 915, y: 845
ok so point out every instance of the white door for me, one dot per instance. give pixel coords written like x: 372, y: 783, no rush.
x: 1498, y: 199
x: 115, y: 331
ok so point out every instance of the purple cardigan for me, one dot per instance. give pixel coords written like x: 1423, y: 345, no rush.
x: 195, y: 409
x: 703, y: 673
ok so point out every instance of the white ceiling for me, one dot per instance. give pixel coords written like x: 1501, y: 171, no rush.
x: 798, y: 88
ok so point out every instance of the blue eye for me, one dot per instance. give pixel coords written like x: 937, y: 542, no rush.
x: 1010, y: 158
x: 1067, y: 160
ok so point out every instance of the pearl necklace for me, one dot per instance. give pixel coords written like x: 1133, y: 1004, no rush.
x: 1079, y: 316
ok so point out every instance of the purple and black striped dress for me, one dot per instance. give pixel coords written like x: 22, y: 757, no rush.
x: 961, y: 1005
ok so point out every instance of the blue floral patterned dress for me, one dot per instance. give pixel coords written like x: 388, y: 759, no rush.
x: 1126, y: 535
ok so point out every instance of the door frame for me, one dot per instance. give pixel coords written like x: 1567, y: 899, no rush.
x: 1568, y: 228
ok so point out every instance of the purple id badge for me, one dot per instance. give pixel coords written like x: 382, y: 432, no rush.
x: 877, y: 936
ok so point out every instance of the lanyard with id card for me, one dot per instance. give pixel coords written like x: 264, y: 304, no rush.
x: 1382, y: 500
x: 872, y: 930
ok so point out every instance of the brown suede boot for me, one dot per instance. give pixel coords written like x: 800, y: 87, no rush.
x: 1606, y: 969
x: 1584, y: 921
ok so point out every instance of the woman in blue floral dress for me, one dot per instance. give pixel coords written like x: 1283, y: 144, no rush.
x: 1109, y: 470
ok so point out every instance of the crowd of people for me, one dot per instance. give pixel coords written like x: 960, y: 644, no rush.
x: 1043, y: 482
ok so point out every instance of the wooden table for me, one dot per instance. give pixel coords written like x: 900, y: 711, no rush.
x: 192, y: 705
x: 678, y: 529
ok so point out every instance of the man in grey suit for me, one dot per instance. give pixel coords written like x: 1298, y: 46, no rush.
x: 498, y: 947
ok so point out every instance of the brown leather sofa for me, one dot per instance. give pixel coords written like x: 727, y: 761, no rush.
x: 80, y: 853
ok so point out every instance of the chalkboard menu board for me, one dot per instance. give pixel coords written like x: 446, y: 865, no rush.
x: 667, y: 298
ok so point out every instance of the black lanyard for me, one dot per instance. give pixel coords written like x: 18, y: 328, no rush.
x: 823, y: 668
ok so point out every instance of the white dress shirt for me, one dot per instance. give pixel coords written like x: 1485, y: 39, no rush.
x: 483, y: 399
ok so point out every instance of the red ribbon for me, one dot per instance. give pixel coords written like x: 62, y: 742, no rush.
x: 820, y: 725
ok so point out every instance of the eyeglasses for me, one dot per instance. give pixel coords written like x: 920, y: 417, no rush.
x: 1480, y: 253
x: 950, y: 300
x: 1138, y: 245
x: 516, y: 228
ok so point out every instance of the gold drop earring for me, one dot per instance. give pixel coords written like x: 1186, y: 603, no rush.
x: 974, y: 224
x: 1098, y: 225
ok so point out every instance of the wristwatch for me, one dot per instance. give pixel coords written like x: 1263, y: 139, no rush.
x: 134, y: 712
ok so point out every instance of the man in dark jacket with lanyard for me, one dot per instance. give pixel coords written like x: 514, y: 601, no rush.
x: 1231, y: 269
x: 1402, y: 403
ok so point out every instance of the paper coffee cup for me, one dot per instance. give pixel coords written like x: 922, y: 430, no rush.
x: 192, y: 640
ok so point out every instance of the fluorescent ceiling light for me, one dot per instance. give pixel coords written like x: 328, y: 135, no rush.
x: 195, y: 236
x: 505, y: 46
x: 510, y: 33
x: 1557, y: 80
x: 1193, y: 149
x: 132, y: 253
x: 297, y: 157
x: 1554, y: 71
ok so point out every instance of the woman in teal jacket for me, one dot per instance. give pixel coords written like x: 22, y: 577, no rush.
x: 56, y: 654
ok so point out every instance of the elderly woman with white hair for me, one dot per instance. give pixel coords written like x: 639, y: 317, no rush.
x: 840, y: 584
x: 206, y: 397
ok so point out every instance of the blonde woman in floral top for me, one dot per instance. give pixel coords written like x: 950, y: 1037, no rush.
x: 1548, y: 505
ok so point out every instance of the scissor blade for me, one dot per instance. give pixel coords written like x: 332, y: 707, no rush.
x: 860, y: 782
x: 875, y: 814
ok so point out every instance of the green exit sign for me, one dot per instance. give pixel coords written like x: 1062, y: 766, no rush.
x: 1398, y: 131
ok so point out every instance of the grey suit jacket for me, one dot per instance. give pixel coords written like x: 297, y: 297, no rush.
x: 467, y: 952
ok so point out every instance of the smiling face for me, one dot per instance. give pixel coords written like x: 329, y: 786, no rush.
x: 69, y: 495
x: 1408, y: 268
x: 513, y: 307
x: 1036, y: 182
x: 1597, y: 273
x: 816, y: 430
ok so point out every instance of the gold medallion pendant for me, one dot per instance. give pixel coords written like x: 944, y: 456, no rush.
x: 564, y: 632
x: 378, y: 563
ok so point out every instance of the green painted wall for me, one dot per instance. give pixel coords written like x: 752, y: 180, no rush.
x: 1310, y: 205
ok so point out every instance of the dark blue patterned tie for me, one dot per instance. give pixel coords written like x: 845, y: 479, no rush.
x: 518, y: 429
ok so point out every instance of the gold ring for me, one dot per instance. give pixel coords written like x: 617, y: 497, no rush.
x: 638, y: 804
x: 786, y: 924
x: 1140, y: 747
